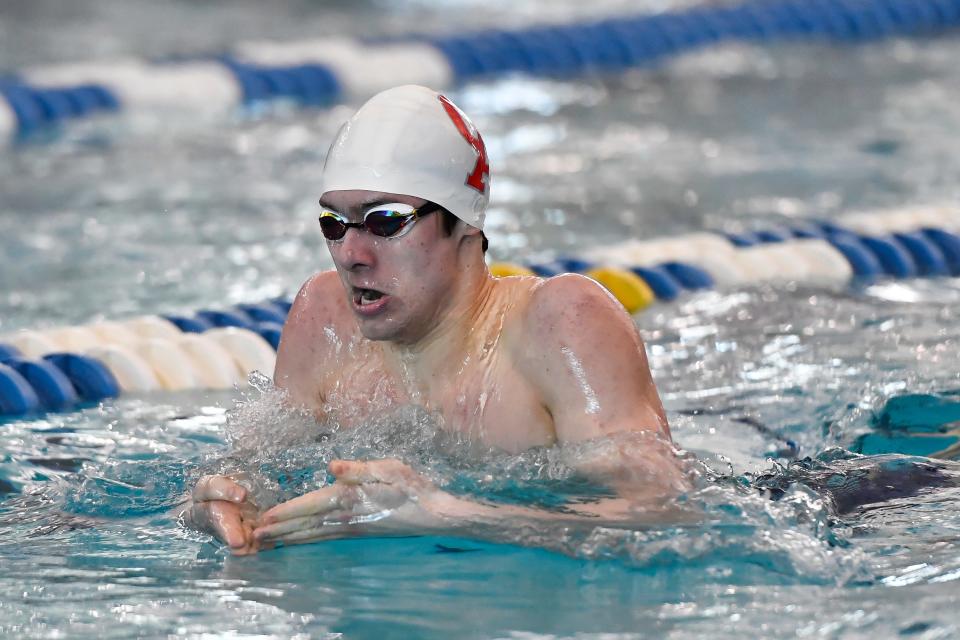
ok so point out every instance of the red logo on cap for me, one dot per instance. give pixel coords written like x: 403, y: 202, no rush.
x: 480, y: 176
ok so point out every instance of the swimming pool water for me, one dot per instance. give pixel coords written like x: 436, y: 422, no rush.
x: 143, y: 214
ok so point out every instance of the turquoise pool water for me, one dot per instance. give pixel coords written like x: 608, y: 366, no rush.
x: 147, y: 214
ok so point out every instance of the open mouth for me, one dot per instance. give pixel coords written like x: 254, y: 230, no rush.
x: 363, y: 297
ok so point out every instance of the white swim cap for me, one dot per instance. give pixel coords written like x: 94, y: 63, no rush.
x: 413, y: 141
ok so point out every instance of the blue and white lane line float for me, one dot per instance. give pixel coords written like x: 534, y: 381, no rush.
x: 906, y: 243
x: 26, y: 108
x: 63, y: 367
x: 327, y: 71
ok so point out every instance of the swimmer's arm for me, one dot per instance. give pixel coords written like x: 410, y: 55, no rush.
x: 384, y: 498
x: 219, y: 505
x: 587, y: 360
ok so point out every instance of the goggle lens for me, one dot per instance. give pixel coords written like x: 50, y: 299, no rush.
x: 332, y: 227
x: 385, y: 221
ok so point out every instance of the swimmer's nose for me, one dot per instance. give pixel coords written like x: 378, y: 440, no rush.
x: 356, y: 251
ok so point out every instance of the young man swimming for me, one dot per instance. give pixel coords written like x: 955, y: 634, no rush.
x: 412, y: 316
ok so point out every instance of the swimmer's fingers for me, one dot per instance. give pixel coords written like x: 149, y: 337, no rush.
x: 218, y: 488
x: 389, y: 471
x: 226, y: 522
x: 299, y: 531
x: 315, y: 503
x: 351, y: 471
x: 277, y: 530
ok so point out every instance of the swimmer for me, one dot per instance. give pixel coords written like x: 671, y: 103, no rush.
x: 411, y: 315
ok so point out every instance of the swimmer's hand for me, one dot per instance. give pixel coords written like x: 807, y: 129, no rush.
x: 222, y: 507
x: 377, y: 497
x: 388, y: 498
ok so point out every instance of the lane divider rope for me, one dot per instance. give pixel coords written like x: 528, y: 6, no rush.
x: 64, y: 367
x: 327, y: 71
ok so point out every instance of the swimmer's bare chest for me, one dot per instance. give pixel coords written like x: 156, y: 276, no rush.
x: 489, y: 402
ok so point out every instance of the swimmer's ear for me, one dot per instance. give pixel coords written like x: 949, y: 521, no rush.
x: 471, y: 232
x: 454, y: 226
x: 468, y: 230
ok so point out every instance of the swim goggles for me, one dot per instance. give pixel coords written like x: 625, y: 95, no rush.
x: 385, y: 220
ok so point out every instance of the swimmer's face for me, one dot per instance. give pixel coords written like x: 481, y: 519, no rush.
x: 394, y: 286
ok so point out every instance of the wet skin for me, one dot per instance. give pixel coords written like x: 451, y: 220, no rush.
x: 512, y: 363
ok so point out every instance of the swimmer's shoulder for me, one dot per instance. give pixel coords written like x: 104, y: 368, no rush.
x: 556, y: 311
x: 315, y: 326
x: 319, y: 310
x: 580, y: 343
x: 569, y: 302
x: 320, y: 299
